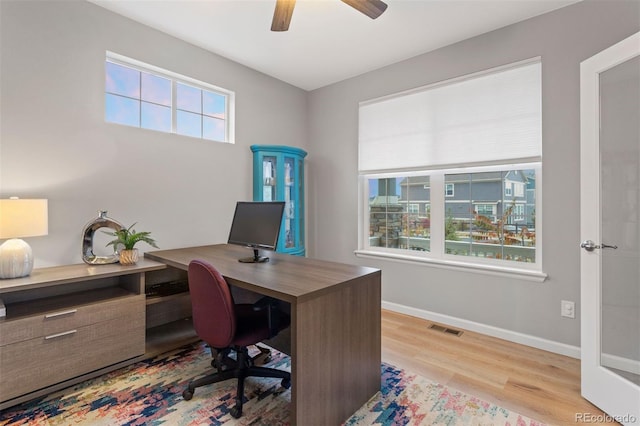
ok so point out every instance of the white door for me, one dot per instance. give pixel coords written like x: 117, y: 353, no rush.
x: 610, y: 230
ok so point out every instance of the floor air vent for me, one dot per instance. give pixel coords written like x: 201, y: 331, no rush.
x: 447, y: 330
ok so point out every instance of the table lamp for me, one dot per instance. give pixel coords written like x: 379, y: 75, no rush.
x: 20, y: 219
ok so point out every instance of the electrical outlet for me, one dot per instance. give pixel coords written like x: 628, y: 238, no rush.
x: 568, y: 309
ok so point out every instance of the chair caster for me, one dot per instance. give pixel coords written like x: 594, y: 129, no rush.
x: 236, y: 412
x: 285, y: 383
x: 187, y: 394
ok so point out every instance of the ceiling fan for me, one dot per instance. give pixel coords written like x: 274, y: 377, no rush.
x: 284, y: 10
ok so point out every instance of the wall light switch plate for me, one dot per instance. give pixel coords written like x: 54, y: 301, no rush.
x: 568, y: 309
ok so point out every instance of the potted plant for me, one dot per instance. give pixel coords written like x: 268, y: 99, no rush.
x: 128, y: 238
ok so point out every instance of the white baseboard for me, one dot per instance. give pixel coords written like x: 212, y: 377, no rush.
x: 620, y: 363
x: 501, y: 333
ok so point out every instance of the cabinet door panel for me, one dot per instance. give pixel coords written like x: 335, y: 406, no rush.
x: 59, y: 320
x: 43, y: 361
x: 269, y: 178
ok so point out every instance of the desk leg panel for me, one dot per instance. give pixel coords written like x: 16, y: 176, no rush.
x: 336, y: 352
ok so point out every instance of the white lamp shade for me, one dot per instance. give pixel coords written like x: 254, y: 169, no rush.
x: 23, y: 218
x: 19, y: 219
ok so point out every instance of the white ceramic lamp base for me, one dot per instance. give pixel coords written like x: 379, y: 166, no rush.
x: 16, y: 259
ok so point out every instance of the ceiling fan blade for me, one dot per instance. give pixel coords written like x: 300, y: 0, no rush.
x: 282, y: 15
x: 371, y: 8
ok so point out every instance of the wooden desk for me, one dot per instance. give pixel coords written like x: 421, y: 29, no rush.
x: 335, y: 324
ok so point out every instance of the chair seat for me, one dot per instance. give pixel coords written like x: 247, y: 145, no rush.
x: 253, y: 326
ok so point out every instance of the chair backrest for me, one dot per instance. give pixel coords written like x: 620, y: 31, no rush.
x: 213, y: 309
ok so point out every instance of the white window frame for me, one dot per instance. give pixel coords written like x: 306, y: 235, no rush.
x: 518, y: 212
x: 518, y: 189
x: 508, y: 192
x: 492, y: 205
x: 179, y: 78
x: 436, y: 256
x: 446, y: 190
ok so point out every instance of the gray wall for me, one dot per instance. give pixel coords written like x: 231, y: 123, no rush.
x: 563, y: 39
x: 55, y: 144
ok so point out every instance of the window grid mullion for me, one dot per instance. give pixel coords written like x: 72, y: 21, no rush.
x: 174, y: 106
x: 140, y: 100
x: 438, y: 215
x: 202, y: 113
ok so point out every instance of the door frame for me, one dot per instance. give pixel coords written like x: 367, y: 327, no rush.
x: 614, y: 395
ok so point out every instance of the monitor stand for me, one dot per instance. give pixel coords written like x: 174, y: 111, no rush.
x: 256, y: 258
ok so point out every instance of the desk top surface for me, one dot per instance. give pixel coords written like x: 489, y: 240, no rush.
x: 56, y: 275
x: 286, y: 277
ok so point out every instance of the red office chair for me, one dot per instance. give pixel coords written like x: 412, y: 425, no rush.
x: 225, y: 326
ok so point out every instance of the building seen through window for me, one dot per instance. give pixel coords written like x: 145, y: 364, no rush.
x: 480, y: 219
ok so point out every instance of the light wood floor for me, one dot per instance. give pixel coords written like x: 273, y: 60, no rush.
x: 536, y: 383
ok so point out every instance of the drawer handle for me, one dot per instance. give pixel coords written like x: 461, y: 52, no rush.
x: 64, y: 333
x: 59, y: 314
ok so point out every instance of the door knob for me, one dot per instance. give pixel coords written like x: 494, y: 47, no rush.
x: 589, y: 245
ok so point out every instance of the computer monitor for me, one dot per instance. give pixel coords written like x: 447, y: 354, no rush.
x: 256, y: 225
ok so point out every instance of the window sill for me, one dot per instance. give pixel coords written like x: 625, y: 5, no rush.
x: 499, y: 271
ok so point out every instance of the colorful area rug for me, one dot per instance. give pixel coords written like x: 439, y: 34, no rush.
x: 150, y: 393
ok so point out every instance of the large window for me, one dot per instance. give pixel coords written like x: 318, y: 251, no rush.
x: 468, y: 151
x: 145, y: 96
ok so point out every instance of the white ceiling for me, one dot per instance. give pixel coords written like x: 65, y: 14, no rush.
x: 327, y: 41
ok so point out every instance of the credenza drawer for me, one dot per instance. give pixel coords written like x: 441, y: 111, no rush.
x: 60, y: 320
x: 52, y: 358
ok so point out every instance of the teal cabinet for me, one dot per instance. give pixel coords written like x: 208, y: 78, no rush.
x: 278, y: 175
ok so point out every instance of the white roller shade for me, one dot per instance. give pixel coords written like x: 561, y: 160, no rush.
x: 492, y: 117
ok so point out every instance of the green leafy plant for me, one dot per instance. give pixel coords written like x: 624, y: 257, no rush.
x: 128, y: 238
x: 450, y: 228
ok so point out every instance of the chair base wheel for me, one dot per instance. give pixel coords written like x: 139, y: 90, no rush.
x: 285, y: 383
x: 236, y: 412
x: 187, y: 394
